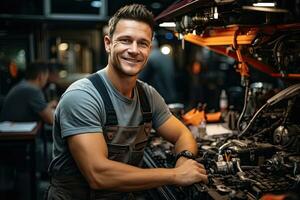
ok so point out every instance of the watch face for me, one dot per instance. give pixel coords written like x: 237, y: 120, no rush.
x: 187, y: 154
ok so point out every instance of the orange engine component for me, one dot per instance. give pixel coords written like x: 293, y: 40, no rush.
x: 195, y: 117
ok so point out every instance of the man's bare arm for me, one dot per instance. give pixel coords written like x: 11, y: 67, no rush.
x: 177, y: 133
x: 90, y: 153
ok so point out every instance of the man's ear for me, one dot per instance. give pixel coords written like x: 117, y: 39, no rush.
x: 107, y: 43
x: 39, y: 77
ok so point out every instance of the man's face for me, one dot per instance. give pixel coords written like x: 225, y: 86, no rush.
x: 129, y: 47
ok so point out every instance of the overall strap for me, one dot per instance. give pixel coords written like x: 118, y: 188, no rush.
x: 145, y: 106
x: 111, y: 116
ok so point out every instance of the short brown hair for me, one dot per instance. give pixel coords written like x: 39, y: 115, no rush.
x: 36, y: 68
x: 135, y: 12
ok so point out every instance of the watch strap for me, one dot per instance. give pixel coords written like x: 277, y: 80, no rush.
x: 186, y: 154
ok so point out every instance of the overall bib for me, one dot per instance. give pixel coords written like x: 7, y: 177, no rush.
x: 125, y: 144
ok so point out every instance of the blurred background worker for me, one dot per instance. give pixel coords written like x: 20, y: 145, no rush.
x: 25, y: 102
x: 27, y: 97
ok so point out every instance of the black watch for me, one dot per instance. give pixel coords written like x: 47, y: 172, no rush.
x: 186, y: 154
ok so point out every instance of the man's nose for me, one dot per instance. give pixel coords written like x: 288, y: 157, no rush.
x: 133, y: 47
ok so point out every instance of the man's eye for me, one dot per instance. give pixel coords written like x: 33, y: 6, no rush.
x: 125, y: 41
x: 144, y: 44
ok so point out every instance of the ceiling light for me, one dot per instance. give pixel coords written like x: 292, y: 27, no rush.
x: 168, y: 24
x: 264, y: 4
x: 63, y: 46
x: 63, y: 74
x: 165, y: 49
x: 96, y: 4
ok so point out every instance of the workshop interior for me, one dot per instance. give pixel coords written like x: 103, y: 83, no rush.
x: 236, y: 76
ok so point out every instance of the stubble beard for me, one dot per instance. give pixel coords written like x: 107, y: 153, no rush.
x: 118, y: 68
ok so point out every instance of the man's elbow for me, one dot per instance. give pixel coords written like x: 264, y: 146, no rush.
x: 49, y: 119
x: 97, y: 182
x: 47, y: 116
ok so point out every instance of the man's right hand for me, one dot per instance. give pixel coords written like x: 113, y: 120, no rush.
x: 189, y: 172
x: 52, y: 104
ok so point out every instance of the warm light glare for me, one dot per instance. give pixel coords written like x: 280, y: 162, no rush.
x: 168, y: 24
x: 63, y: 46
x: 216, y: 14
x: 264, y: 4
x: 63, y: 74
x: 165, y: 49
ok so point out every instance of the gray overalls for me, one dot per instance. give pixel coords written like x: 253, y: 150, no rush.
x: 125, y: 144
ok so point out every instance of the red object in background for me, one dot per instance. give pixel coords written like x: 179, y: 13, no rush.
x: 273, y: 197
x: 13, y: 70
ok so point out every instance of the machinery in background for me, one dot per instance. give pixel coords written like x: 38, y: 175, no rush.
x: 263, y: 158
x: 263, y: 34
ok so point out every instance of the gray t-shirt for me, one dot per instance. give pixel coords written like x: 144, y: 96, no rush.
x: 23, y: 103
x: 81, y: 110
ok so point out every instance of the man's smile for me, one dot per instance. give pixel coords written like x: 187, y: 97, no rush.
x: 131, y: 60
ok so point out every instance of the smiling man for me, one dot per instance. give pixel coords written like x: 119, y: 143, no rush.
x: 103, y: 122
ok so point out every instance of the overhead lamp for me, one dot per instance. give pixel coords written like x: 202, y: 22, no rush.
x: 168, y: 24
x: 165, y: 49
x: 264, y: 4
x: 266, y: 7
x: 63, y: 74
x: 63, y: 46
x: 96, y: 4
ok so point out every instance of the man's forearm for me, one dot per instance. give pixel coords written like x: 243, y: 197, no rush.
x: 122, y: 177
x: 186, y: 142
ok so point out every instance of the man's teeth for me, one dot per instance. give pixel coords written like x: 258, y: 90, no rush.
x: 131, y: 60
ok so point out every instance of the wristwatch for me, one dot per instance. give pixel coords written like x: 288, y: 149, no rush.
x: 186, y: 154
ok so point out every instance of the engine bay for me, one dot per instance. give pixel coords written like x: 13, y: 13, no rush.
x: 260, y: 159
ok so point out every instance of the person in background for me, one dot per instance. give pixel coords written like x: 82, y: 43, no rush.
x: 159, y: 73
x: 9, y: 76
x: 25, y: 102
x: 52, y: 89
x: 102, y: 123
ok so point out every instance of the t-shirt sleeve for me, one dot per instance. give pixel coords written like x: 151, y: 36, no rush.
x: 160, y: 110
x: 37, y: 101
x: 79, y: 113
